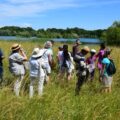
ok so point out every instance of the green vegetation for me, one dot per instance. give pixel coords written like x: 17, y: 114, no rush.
x: 50, y: 32
x: 112, y: 34
x: 59, y: 101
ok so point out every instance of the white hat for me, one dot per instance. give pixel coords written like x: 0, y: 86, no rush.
x: 93, y: 51
x: 37, y: 52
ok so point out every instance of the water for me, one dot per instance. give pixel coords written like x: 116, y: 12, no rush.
x: 82, y: 40
x: 16, y: 38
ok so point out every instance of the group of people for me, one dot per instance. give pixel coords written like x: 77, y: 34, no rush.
x: 41, y: 62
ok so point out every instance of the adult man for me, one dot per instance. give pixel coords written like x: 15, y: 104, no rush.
x: 76, y: 48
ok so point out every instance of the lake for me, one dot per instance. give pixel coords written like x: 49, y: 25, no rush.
x: 82, y: 40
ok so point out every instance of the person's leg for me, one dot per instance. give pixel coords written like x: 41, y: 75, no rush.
x: 40, y: 85
x: 1, y: 74
x: 92, y: 75
x: 81, y: 80
x: 48, y: 71
x: 17, y: 85
x: 31, y: 89
x: 68, y: 76
x: 100, y: 78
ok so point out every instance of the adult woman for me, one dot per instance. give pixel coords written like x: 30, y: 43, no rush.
x: 66, y: 62
x: 16, y: 59
x: 36, y: 71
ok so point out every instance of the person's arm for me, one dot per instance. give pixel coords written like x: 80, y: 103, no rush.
x: 23, y: 54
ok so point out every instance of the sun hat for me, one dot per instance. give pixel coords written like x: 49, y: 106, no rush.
x: 48, y: 44
x: 86, y: 48
x: 93, y: 51
x: 15, y: 46
x: 37, y: 53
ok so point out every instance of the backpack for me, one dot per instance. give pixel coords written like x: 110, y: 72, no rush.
x: 111, y: 69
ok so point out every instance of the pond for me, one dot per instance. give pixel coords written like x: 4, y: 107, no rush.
x: 82, y: 40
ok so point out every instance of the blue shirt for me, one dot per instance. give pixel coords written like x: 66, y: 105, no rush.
x: 106, y: 62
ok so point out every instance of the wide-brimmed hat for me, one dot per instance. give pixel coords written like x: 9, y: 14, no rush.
x: 86, y: 48
x: 37, y: 52
x: 48, y: 44
x: 15, y: 46
x: 93, y: 51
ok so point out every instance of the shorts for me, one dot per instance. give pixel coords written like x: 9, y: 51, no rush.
x: 67, y: 70
x: 107, y: 81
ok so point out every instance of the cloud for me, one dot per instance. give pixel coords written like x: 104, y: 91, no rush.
x: 28, y: 8
x: 24, y: 8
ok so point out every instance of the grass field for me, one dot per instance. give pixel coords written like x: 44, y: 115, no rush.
x: 58, y: 101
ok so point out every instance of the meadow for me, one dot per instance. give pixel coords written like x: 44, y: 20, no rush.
x: 59, y: 101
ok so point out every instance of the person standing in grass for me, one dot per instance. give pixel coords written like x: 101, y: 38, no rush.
x: 100, y: 55
x: 36, y: 71
x: 91, y: 62
x: 1, y: 66
x: 16, y: 59
x: 66, y: 63
x: 81, y: 68
x: 48, y: 59
x: 59, y: 57
x: 105, y: 76
x: 76, y: 48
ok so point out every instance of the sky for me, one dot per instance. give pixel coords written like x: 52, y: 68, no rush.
x: 86, y: 14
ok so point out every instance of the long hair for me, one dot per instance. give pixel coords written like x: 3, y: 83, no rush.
x: 65, y: 52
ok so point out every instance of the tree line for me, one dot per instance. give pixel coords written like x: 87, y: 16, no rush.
x: 112, y: 35
x: 50, y: 32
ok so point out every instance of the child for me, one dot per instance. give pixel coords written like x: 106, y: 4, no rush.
x: 100, y: 57
x: 91, y: 62
x: 59, y: 56
x: 106, y: 78
x: 36, y: 71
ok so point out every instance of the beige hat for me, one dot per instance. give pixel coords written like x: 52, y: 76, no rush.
x: 48, y: 44
x: 37, y: 52
x: 86, y: 48
x: 15, y: 46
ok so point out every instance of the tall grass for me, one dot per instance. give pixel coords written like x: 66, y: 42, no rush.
x: 58, y: 101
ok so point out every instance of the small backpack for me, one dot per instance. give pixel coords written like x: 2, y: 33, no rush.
x: 111, y: 69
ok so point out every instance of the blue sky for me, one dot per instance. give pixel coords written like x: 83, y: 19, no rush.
x: 87, y: 14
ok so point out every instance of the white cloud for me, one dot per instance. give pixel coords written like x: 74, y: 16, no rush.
x: 25, y: 8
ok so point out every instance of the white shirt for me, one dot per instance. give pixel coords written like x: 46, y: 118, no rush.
x: 36, y: 69
x: 47, y: 55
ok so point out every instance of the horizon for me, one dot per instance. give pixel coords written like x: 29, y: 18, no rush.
x: 59, y: 14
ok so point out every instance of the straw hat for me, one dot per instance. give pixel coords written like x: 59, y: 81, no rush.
x: 37, y: 52
x: 48, y: 44
x: 86, y: 48
x: 93, y: 51
x: 15, y: 46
